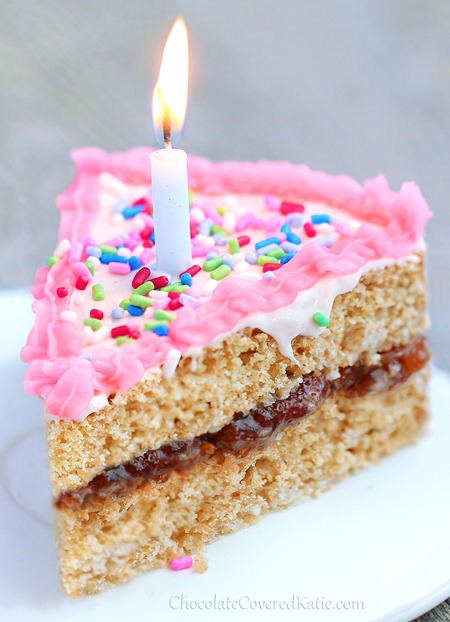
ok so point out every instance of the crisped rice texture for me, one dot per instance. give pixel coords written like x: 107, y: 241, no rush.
x: 110, y: 543
x: 387, y: 308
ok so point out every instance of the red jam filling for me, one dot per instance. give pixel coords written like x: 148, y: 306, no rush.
x: 256, y: 429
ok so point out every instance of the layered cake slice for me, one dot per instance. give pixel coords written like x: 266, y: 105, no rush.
x: 181, y: 408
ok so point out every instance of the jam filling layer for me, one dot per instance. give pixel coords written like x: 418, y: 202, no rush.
x: 253, y: 431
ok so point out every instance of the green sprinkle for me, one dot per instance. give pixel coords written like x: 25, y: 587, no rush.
x: 98, y: 292
x: 215, y: 229
x: 221, y: 272
x: 263, y: 259
x: 321, y: 319
x: 140, y: 301
x: 152, y: 325
x: 234, y: 246
x: 125, y: 304
x: 220, y: 210
x: 52, y: 260
x: 191, y: 197
x: 121, y: 340
x: 145, y: 288
x: 90, y: 265
x: 108, y: 249
x: 212, y: 264
x: 93, y: 323
x: 163, y: 316
x: 175, y: 287
x: 278, y: 253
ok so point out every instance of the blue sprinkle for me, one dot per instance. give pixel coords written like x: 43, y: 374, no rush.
x: 117, y: 313
x: 285, y: 229
x: 108, y: 257
x: 125, y: 237
x: 293, y: 237
x: 162, y: 330
x: 131, y: 212
x: 152, y: 236
x: 318, y: 219
x: 325, y: 241
x: 287, y: 258
x: 295, y: 220
x: 266, y: 242
x: 94, y: 251
x: 186, y: 279
x: 288, y: 247
x: 211, y: 255
x: 267, y: 249
x: 268, y: 276
x: 251, y: 258
x: 205, y: 226
x: 134, y: 262
x: 133, y: 310
x: 228, y: 260
x: 220, y: 240
x: 120, y: 206
x: 86, y: 356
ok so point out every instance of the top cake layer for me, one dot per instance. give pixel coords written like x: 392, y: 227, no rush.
x: 274, y: 244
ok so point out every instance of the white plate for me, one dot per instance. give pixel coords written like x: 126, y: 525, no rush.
x: 381, y: 537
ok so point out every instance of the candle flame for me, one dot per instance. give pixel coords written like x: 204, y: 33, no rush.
x: 171, y: 90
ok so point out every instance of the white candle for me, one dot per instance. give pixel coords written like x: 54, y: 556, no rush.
x: 171, y: 210
x: 169, y: 166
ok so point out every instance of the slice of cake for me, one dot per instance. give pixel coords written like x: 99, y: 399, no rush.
x: 290, y: 354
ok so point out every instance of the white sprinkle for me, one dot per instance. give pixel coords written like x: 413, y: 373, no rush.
x: 124, y: 252
x: 209, y: 287
x: 62, y: 248
x: 95, y: 260
x: 229, y: 222
x: 171, y: 363
x: 204, y: 240
x: 138, y: 224
x: 241, y: 267
x: 197, y: 215
x: 117, y: 219
x: 68, y: 316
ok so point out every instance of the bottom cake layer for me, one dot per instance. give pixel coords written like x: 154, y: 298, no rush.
x: 106, y: 544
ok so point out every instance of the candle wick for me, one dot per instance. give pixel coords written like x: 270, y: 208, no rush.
x: 167, y: 122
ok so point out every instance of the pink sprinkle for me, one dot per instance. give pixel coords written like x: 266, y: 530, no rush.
x: 146, y: 255
x: 96, y: 314
x: 343, y: 229
x: 76, y: 250
x: 200, y: 251
x: 114, y: 242
x: 259, y: 223
x: 245, y: 221
x: 213, y: 214
x: 131, y: 244
x: 62, y: 292
x: 273, y: 223
x: 161, y: 304
x: 282, y: 237
x: 81, y: 269
x: 140, y: 277
x: 180, y: 563
x: 290, y: 208
x: 271, y: 202
x: 119, y: 268
x: 89, y: 242
x: 310, y: 229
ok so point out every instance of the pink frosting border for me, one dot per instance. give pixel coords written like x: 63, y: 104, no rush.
x: 68, y: 382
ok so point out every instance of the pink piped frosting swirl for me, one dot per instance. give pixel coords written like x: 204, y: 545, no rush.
x: 68, y: 381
